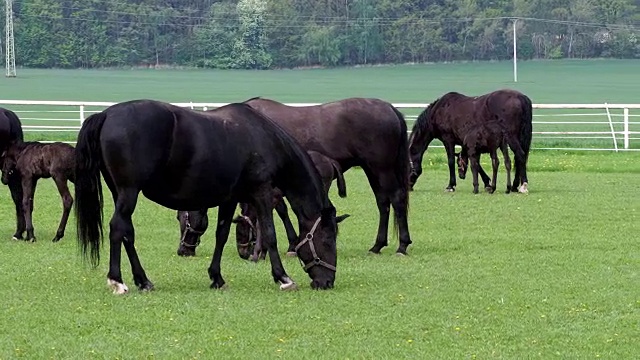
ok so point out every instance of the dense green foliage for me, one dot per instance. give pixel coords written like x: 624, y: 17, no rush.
x: 257, y: 34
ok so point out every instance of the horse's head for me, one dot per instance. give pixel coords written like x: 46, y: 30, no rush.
x: 192, y: 225
x: 462, y: 159
x: 420, y: 138
x: 246, y: 231
x: 8, y: 165
x: 317, y: 248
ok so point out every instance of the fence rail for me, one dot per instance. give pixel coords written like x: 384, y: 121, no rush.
x: 614, y: 123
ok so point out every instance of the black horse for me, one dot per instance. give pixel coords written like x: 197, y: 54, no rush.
x: 369, y: 133
x: 450, y: 117
x: 187, y: 160
x: 193, y: 224
x: 484, y: 138
x: 31, y: 161
x: 11, y: 132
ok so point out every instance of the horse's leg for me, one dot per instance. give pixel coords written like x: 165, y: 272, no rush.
x: 400, y: 202
x: 474, y: 171
x: 28, y: 192
x: 67, y: 202
x: 507, y: 166
x: 122, y: 232
x: 485, y: 177
x: 451, y: 157
x: 519, y: 178
x: 15, y: 186
x: 225, y: 215
x: 495, y: 162
x: 383, y: 201
x: 283, y: 213
x: 262, y: 202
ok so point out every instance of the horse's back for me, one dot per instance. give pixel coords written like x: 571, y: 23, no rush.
x: 340, y: 129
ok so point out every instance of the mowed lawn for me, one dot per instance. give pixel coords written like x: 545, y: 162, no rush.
x: 553, y: 273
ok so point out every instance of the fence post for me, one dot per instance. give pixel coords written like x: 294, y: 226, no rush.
x: 613, y: 131
x: 626, y: 127
x: 81, y: 114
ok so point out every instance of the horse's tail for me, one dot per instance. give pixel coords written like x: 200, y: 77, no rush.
x: 526, y: 128
x: 342, y: 186
x: 402, y: 167
x: 88, y: 187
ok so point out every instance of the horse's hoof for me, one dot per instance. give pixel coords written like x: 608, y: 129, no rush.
x: 32, y: 240
x: 524, y: 188
x: 401, y: 254
x: 15, y: 238
x: 148, y: 286
x: 56, y: 239
x: 291, y: 254
x: 450, y: 189
x: 118, y: 288
x: 288, y: 285
x: 219, y: 284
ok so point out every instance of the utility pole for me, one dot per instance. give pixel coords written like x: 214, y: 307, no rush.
x: 515, y: 51
x: 10, y: 53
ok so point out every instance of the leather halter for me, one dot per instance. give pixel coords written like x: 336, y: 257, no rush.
x: 316, y: 260
x: 189, y: 229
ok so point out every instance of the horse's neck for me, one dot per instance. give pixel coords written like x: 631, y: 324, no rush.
x: 304, y: 194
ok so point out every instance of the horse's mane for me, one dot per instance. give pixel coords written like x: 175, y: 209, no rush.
x: 295, y: 151
x: 423, y: 120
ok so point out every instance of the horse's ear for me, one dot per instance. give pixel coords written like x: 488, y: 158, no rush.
x: 340, y: 218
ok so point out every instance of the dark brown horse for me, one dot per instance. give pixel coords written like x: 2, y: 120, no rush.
x: 369, y: 133
x: 193, y: 224
x: 31, y: 161
x: 484, y: 138
x: 11, y: 132
x: 451, y: 117
x: 189, y: 160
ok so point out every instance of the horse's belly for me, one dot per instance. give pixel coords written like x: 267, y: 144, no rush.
x: 189, y: 195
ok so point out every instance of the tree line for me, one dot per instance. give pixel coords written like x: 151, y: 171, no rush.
x: 261, y: 34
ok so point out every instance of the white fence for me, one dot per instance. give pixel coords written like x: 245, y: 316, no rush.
x: 614, y: 127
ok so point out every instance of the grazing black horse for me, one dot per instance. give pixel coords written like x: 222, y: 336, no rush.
x: 187, y: 160
x: 450, y: 117
x: 369, y: 133
x: 31, y: 161
x: 484, y: 138
x: 193, y: 224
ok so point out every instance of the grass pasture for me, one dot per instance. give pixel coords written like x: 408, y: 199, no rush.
x: 550, y: 274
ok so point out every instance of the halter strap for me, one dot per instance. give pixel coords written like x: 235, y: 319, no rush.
x: 316, y: 260
x: 188, y: 229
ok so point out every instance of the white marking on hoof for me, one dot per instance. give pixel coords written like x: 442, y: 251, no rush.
x: 15, y: 238
x: 400, y: 254
x: 118, y: 288
x: 288, y: 284
x: 291, y: 254
x: 524, y: 188
x: 449, y: 190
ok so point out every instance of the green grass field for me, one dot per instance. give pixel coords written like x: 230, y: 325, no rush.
x: 550, y: 274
